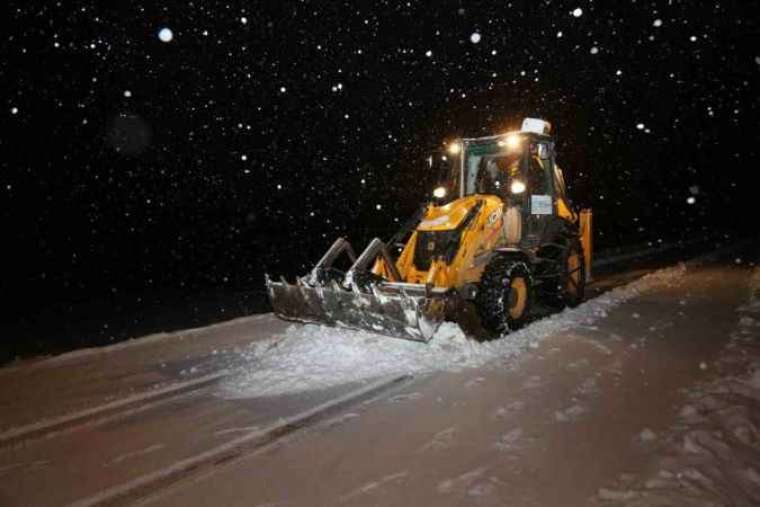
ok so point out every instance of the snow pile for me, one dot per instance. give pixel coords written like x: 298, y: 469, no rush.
x: 711, y: 456
x: 310, y: 357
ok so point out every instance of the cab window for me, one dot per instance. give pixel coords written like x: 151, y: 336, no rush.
x: 495, y: 173
x: 537, y: 180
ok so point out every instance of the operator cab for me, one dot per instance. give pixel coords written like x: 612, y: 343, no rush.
x: 518, y: 167
x: 507, y: 167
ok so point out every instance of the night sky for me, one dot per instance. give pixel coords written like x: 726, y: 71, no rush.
x: 155, y: 152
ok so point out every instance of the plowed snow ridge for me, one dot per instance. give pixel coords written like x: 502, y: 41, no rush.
x: 311, y: 357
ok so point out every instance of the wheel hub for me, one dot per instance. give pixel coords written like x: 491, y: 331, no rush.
x: 518, y: 297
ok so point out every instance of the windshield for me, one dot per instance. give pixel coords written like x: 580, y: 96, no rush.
x: 492, y: 173
x: 489, y: 169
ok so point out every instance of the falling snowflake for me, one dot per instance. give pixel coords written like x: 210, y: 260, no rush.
x: 127, y: 93
x: 594, y: 50
x: 14, y: 110
x: 691, y: 199
x: 578, y: 12
x: 244, y: 20
x: 475, y: 37
x: 657, y: 23
x: 559, y: 34
x: 428, y: 53
x: 165, y: 34
x: 640, y: 126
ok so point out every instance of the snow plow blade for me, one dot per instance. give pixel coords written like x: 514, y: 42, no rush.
x: 398, y: 310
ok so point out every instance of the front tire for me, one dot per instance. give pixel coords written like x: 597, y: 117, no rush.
x: 504, y: 296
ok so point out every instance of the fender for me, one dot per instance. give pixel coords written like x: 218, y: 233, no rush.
x: 512, y: 252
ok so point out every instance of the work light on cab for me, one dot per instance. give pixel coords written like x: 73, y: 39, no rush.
x: 512, y: 142
x: 454, y: 148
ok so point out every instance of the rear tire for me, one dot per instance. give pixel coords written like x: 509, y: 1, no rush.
x: 504, y: 295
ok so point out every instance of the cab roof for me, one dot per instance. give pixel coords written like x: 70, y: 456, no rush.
x: 530, y: 135
x: 533, y: 128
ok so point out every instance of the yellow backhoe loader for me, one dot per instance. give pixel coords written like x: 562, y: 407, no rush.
x: 498, y: 234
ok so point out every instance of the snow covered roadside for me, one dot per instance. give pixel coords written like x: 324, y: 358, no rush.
x: 72, y: 356
x: 309, y: 357
x: 711, y: 455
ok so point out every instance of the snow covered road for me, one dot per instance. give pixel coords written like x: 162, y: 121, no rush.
x: 579, y: 408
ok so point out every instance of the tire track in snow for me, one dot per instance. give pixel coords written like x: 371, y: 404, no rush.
x: 373, y: 486
x: 106, y: 412
x: 152, y: 484
x: 135, y: 454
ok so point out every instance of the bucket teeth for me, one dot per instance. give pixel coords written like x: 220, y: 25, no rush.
x: 399, y: 315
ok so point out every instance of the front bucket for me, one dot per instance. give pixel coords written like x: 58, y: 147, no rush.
x: 399, y: 315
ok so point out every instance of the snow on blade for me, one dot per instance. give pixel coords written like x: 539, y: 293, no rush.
x: 310, y: 357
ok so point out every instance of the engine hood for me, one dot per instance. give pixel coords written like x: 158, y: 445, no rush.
x: 451, y: 215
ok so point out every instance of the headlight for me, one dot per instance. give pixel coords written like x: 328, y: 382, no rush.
x: 439, y: 192
x: 517, y: 187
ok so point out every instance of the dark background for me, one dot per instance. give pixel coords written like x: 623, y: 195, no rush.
x: 149, y: 185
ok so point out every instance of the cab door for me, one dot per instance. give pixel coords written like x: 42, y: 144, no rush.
x: 540, y: 211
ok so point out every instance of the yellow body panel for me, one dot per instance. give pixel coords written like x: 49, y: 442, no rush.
x: 483, y: 235
x: 445, y: 218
